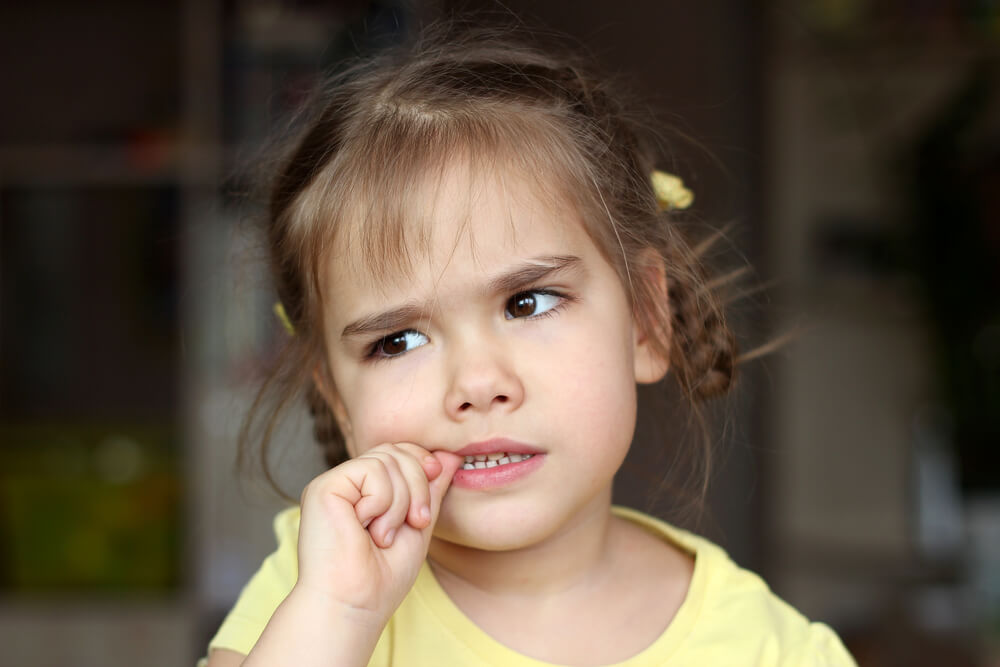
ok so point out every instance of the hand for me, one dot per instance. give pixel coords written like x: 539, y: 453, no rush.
x: 366, y: 526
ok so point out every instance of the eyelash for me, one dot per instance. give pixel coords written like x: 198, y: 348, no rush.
x: 372, y: 353
x: 564, y: 299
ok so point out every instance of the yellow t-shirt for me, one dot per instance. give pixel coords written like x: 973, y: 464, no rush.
x: 729, y: 617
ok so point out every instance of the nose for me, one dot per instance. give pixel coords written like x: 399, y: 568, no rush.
x: 483, y: 380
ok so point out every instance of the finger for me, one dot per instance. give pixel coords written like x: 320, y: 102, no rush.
x: 430, y: 464
x: 383, y: 527
x: 414, y: 468
x: 373, y: 487
x: 338, y: 503
x: 450, y: 463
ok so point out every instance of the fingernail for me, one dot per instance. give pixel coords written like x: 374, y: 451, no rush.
x: 425, y: 513
x: 388, y: 536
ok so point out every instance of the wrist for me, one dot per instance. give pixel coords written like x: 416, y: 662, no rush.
x: 316, y: 602
x: 311, y: 628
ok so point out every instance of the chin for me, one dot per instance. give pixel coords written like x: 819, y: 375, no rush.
x: 501, y: 526
x: 489, y: 540
x: 496, y: 530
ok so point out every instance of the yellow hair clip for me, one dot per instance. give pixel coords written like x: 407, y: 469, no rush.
x: 279, y: 310
x: 670, y: 191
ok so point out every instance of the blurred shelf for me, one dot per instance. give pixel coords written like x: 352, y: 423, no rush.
x: 884, y: 32
x: 878, y: 566
x: 97, y: 631
x: 109, y: 164
x: 905, y: 50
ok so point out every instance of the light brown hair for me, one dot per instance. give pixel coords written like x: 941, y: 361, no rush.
x: 380, y: 127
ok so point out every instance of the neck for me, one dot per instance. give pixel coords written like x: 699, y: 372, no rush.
x: 573, y: 556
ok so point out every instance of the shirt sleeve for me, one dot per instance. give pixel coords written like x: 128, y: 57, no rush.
x: 822, y: 648
x: 267, y: 588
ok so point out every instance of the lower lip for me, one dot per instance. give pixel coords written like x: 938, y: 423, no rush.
x: 497, y: 476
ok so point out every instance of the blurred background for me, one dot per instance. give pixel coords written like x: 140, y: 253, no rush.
x: 854, y: 146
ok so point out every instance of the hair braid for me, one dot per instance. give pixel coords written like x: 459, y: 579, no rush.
x: 704, y: 349
x: 325, y: 429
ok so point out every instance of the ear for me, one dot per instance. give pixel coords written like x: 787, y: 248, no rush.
x: 324, y: 384
x: 651, y: 364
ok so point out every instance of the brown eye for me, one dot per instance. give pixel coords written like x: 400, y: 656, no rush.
x: 521, y: 305
x: 393, y: 345
x: 533, y: 304
x: 398, y: 343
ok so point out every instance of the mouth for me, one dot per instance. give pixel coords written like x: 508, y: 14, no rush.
x: 496, y: 463
x: 492, y: 460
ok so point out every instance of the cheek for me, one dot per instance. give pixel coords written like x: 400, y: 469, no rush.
x: 387, y: 405
x: 594, y: 385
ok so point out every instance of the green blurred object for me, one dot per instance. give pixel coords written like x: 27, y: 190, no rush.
x: 89, y: 508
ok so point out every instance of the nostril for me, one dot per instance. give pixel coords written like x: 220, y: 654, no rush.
x: 501, y: 399
x: 465, y: 406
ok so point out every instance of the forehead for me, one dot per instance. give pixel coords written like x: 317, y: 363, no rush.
x: 458, y: 213
x: 461, y: 221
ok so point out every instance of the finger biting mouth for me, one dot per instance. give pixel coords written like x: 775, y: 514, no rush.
x: 492, y: 460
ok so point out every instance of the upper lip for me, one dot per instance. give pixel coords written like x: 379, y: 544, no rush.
x: 494, y: 445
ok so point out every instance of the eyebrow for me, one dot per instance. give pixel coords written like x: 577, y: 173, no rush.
x: 516, y: 279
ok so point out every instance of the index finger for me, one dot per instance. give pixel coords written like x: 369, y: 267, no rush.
x: 450, y: 463
x: 428, y: 461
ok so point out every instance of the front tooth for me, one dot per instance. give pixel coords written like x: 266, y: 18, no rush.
x: 470, y: 459
x: 480, y: 465
x: 491, y: 464
x: 496, y: 456
x: 515, y: 458
x: 480, y: 457
x: 468, y: 466
x: 504, y: 461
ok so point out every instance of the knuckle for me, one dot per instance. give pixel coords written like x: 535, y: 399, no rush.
x: 380, y: 456
x: 386, y: 448
x: 401, y: 497
x: 371, y: 462
x: 412, y: 449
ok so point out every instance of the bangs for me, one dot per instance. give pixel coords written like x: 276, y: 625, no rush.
x: 372, y: 206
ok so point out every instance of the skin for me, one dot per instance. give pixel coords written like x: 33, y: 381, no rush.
x: 539, y: 564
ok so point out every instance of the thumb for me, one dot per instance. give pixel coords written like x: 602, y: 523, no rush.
x: 439, y: 486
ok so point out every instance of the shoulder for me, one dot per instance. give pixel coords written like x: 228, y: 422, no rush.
x: 730, y: 611
x: 266, y: 589
x: 283, y: 564
x: 286, y: 525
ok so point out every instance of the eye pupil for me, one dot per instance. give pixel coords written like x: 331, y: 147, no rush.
x: 524, y: 305
x: 392, y: 345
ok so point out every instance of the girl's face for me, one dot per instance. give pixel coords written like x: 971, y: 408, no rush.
x: 513, y: 335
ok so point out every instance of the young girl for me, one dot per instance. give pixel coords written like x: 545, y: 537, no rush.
x: 476, y: 274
